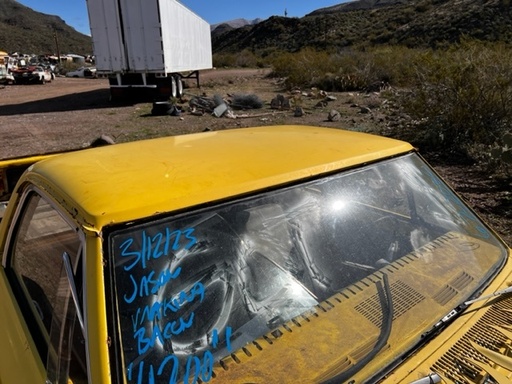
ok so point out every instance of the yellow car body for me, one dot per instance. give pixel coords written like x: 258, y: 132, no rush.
x: 87, y: 207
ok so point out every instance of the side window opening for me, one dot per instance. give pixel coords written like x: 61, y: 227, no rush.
x: 44, y: 288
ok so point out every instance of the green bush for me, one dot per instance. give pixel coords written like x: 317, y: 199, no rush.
x: 349, y: 70
x: 301, y: 68
x: 462, y: 95
x: 244, y: 59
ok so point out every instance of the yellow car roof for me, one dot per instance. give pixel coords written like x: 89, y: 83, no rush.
x: 123, y: 182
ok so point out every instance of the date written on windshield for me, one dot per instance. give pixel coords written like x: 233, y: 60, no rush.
x: 156, y: 246
x: 159, y: 314
x: 196, y: 367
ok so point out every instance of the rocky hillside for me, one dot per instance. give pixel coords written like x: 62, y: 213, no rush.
x: 358, y: 5
x: 25, y: 30
x: 415, y: 23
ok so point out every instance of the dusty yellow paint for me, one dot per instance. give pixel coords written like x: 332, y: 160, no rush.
x: 124, y: 182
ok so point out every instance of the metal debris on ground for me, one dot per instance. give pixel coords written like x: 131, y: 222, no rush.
x: 202, y: 103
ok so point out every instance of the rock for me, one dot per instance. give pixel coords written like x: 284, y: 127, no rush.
x: 275, y: 103
x: 299, y: 112
x: 280, y: 102
x: 285, y: 104
x: 334, y: 115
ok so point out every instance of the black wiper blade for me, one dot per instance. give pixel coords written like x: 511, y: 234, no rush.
x: 386, y: 301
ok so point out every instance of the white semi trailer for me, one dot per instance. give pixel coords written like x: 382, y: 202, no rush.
x: 146, y: 47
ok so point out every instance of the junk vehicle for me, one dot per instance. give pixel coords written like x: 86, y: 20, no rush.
x: 258, y: 255
x: 88, y: 72
x: 31, y: 75
x: 145, y: 48
x: 5, y: 76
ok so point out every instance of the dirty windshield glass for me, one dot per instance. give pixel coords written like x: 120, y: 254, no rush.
x: 217, y: 293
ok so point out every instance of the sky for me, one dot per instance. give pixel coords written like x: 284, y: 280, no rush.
x: 74, y: 12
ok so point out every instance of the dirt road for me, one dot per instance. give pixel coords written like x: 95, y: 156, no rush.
x: 70, y: 113
x: 63, y: 114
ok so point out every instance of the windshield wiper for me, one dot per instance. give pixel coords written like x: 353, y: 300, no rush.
x: 386, y: 302
x: 454, y: 313
x: 494, y: 294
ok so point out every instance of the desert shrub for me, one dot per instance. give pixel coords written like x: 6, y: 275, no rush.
x: 349, y: 70
x: 246, y: 59
x: 222, y: 60
x: 392, y: 64
x: 300, y: 68
x: 462, y: 96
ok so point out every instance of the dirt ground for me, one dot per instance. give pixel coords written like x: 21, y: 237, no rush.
x: 70, y: 113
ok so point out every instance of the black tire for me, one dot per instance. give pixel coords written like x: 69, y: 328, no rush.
x: 161, y: 108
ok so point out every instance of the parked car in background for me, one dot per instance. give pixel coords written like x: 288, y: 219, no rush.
x: 82, y: 72
x: 5, y: 76
x: 51, y: 70
x: 32, y: 75
x: 42, y: 75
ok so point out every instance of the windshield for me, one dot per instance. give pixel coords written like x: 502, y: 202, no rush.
x: 335, y: 276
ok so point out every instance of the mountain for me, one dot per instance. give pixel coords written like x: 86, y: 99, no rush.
x: 357, y: 5
x: 25, y: 30
x: 236, y: 23
x: 414, y: 23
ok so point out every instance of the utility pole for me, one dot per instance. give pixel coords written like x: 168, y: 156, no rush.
x: 56, y: 44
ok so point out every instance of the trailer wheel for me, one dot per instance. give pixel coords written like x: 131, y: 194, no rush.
x: 179, y: 85
x: 174, y: 88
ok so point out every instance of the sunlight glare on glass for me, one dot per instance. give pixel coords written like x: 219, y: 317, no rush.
x: 339, y: 205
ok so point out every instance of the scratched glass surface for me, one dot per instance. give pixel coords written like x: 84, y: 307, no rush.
x: 193, y: 288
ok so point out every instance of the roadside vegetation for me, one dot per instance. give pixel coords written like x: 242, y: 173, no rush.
x: 459, y: 98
